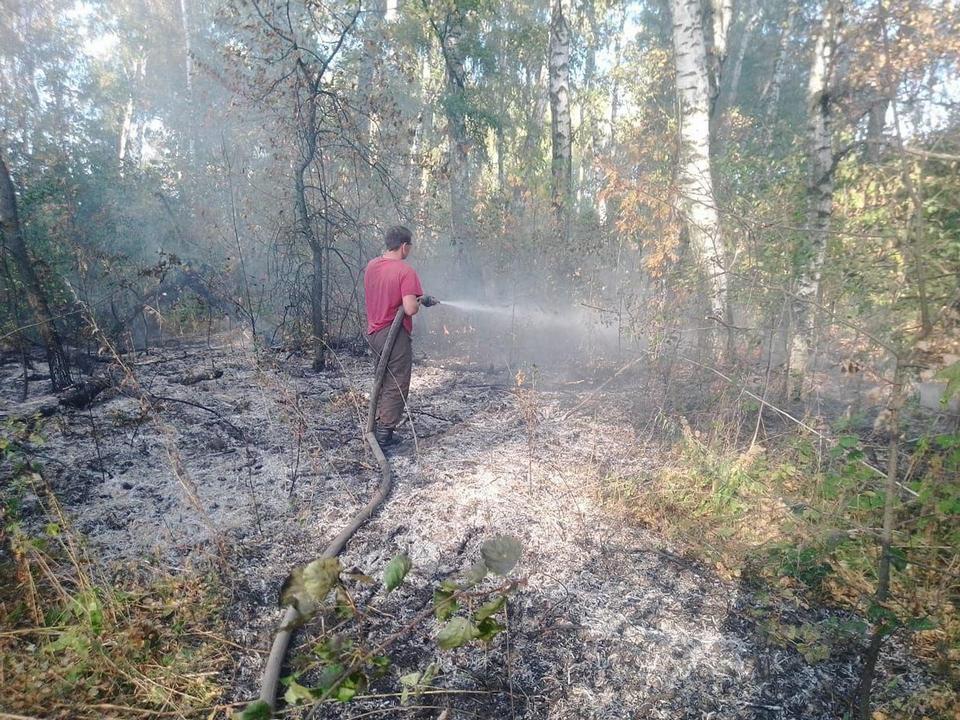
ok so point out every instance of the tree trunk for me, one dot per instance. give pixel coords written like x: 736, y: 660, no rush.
x: 608, y: 207
x: 13, y: 240
x: 890, y: 426
x: 615, y: 88
x: 771, y: 92
x: 424, y: 128
x: 188, y: 73
x: 753, y: 14
x: 876, y: 122
x: 820, y: 193
x: 538, y: 109
x: 560, y: 126
x: 717, y: 46
x: 368, y: 79
x: 697, y: 203
x: 125, y: 129
x: 591, y: 166
x: 128, y: 128
x: 307, y: 112
x: 317, y: 321
x: 458, y: 158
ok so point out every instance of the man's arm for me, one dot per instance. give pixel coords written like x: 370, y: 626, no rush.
x: 411, y: 304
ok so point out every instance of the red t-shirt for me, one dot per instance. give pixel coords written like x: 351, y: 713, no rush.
x: 386, y: 281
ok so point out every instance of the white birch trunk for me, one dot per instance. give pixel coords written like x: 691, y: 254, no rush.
x: 820, y: 189
x: 697, y: 203
x: 605, y: 212
x: 615, y: 87
x: 771, y: 92
x: 560, y: 125
x: 753, y: 14
x: 716, y: 44
x: 188, y: 68
x: 128, y: 127
x: 722, y: 20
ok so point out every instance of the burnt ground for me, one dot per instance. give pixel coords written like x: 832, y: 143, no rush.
x: 612, y: 623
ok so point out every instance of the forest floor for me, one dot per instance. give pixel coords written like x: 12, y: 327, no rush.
x: 256, y: 470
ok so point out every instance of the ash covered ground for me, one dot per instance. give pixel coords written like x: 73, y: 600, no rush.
x: 263, y: 465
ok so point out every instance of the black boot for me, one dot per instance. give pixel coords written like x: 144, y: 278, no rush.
x: 384, y: 436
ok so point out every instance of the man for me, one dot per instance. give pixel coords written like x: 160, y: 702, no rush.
x: 390, y: 282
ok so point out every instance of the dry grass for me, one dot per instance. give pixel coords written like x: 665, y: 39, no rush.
x: 75, y: 645
x: 801, y: 525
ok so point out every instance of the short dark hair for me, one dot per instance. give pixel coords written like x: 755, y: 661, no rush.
x: 397, y: 236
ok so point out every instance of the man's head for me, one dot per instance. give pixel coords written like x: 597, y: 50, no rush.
x: 399, y: 238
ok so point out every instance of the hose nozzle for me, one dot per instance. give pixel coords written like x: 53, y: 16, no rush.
x: 429, y: 301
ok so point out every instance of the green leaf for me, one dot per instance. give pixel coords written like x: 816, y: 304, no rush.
x: 459, y: 631
x: 922, y: 623
x: 408, y: 685
x: 501, y: 553
x: 489, y: 629
x: 898, y: 558
x: 348, y: 688
x: 848, y: 441
x: 307, y: 587
x: 476, y: 573
x: 410, y: 679
x: 296, y: 693
x: 87, y: 606
x: 444, y: 604
x: 329, y: 676
x: 490, y: 608
x: 396, y: 571
x: 414, y: 683
x: 259, y: 710
x: 951, y: 374
x: 880, y: 614
x: 949, y: 506
x: 321, y: 576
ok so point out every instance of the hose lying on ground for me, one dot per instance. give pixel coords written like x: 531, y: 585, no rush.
x: 271, y: 672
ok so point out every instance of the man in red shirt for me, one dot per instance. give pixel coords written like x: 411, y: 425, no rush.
x: 389, y: 282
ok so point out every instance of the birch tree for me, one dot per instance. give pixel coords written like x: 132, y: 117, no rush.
x: 752, y: 13
x: 697, y: 202
x: 449, y: 32
x: 561, y: 165
x: 188, y: 82
x: 820, y: 191
x: 716, y: 43
x: 129, y: 125
x: 771, y: 91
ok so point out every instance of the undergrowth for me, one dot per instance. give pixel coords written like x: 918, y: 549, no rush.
x: 798, y: 517
x: 76, y: 645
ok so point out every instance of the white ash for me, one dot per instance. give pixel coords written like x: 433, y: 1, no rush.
x: 613, y: 624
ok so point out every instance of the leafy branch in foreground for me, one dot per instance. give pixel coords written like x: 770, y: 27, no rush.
x: 346, y: 658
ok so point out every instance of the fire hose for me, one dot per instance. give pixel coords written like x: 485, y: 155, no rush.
x: 292, y: 616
